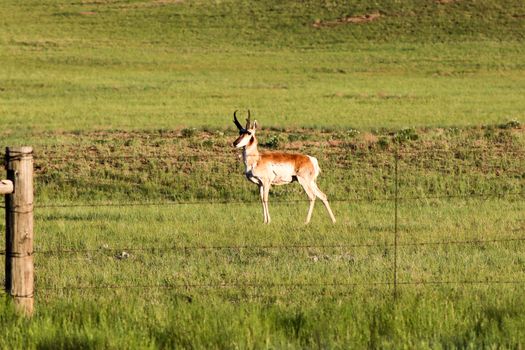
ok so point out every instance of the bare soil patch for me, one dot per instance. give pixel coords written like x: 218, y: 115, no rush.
x: 347, y: 20
x: 154, y: 3
x: 165, y: 2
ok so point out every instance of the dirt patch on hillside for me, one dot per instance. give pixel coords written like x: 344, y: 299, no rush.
x: 97, y: 2
x: 154, y: 3
x: 166, y: 2
x: 347, y: 20
x: 370, y: 138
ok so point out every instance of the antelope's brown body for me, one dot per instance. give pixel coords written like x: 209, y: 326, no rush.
x: 280, y: 168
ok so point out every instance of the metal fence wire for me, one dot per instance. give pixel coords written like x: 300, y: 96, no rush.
x: 396, y: 198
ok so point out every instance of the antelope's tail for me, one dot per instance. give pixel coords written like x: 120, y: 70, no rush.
x: 315, y: 163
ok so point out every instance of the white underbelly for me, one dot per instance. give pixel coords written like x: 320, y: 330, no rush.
x: 283, y: 174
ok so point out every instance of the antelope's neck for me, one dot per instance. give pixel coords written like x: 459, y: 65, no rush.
x: 251, y: 156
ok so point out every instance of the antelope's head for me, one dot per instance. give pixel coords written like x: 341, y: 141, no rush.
x: 246, y: 134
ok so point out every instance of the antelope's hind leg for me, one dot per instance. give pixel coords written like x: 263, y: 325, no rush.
x: 311, y: 195
x: 324, y: 199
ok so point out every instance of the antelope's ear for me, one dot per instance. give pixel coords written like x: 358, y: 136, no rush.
x: 255, y: 125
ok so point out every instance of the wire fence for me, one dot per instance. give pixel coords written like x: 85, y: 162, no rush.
x: 395, y: 198
x: 263, y: 291
x: 288, y: 201
x: 183, y: 248
x: 228, y: 154
x: 241, y: 285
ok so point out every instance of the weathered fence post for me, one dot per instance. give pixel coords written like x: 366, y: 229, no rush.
x: 396, y: 200
x: 19, y: 269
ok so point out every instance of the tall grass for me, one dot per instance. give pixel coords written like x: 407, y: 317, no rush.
x: 208, y: 274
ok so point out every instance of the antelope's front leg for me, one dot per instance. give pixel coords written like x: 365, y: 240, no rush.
x: 261, y: 192
x: 266, y: 188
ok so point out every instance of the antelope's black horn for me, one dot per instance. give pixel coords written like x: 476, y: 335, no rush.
x: 248, y: 120
x: 239, y: 126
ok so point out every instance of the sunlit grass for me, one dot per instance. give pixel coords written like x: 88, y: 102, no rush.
x: 188, y: 247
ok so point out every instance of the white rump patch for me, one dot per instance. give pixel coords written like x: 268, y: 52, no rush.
x: 315, y: 163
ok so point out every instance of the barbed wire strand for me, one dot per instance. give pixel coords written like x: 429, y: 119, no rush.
x: 234, y: 155
x: 272, y: 285
x: 342, y: 200
x: 494, y: 170
x: 227, y: 154
x: 487, y: 171
x: 270, y: 246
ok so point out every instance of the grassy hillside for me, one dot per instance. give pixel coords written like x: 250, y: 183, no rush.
x: 192, y: 165
x: 230, y: 24
x: 151, y: 64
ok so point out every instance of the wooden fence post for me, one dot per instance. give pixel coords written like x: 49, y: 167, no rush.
x: 19, y: 269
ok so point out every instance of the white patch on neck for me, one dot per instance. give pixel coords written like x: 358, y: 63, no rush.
x: 250, y: 164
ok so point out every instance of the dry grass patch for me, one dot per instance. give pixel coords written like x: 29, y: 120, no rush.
x: 155, y: 3
x: 348, y: 20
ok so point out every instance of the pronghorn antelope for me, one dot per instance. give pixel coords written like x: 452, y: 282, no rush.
x: 277, y: 168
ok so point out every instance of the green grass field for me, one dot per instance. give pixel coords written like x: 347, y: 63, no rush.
x: 131, y: 102
x: 149, y: 65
